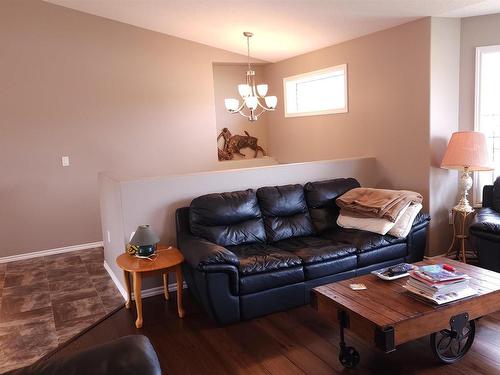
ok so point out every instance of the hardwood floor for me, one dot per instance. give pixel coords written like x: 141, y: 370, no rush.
x: 298, y: 341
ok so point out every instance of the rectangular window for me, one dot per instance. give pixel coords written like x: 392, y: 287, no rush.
x: 316, y: 93
x: 487, y: 111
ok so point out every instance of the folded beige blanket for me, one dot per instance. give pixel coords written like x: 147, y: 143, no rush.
x: 382, y: 203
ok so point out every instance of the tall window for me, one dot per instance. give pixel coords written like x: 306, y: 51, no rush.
x: 316, y: 93
x: 487, y: 109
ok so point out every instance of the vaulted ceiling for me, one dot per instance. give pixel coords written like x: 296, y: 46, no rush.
x: 282, y: 28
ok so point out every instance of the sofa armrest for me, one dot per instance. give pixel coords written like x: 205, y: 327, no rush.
x: 205, y: 255
x: 486, y: 220
x: 422, y: 219
x: 417, y: 238
x: 198, y: 252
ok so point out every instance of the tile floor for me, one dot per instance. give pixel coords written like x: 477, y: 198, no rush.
x: 45, y: 301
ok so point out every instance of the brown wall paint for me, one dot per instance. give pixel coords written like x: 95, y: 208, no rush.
x: 109, y: 95
x: 444, y: 83
x: 388, y: 84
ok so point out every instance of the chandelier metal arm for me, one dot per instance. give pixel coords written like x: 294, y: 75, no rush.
x: 264, y: 108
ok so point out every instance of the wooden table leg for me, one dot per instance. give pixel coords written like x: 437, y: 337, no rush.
x: 180, y: 283
x: 137, y: 294
x: 126, y: 276
x: 452, y: 246
x: 165, y: 286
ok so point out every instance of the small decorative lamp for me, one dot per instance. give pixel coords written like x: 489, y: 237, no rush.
x: 145, y: 240
x: 467, y: 152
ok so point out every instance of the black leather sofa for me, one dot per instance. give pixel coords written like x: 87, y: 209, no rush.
x: 129, y: 355
x: 250, y: 253
x: 485, y: 228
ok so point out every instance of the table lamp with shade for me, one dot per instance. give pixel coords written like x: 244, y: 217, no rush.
x: 144, y: 241
x: 466, y: 152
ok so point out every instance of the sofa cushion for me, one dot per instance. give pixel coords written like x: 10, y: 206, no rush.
x: 315, y: 249
x: 227, y: 218
x: 285, y: 212
x: 320, y: 197
x: 486, y: 220
x: 382, y: 254
x: 269, y: 280
x: 320, y: 257
x: 360, y: 239
x: 255, y: 258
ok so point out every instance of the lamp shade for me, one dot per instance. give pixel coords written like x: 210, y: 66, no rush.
x: 262, y: 90
x: 251, y: 102
x: 231, y: 104
x: 467, y: 149
x: 144, y: 236
x: 271, y: 101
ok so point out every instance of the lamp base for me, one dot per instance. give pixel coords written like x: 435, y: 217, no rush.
x: 465, y: 185
x: 145, y: 251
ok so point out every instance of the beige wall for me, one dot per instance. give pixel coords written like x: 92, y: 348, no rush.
x: 476, y: 32
x: 388, y: 78
x: 444, y: 86
x: 226, y: 79
x: 109, y: 95
x: 116, y: 97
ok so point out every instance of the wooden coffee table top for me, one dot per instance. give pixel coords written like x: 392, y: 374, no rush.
x: 387, y: 304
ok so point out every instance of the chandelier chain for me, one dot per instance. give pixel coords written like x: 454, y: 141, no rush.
x: 248, y: 51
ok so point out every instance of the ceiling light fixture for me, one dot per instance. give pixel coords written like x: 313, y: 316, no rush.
x: 251, y: 94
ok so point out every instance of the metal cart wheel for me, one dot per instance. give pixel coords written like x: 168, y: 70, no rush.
x: 450, y: 345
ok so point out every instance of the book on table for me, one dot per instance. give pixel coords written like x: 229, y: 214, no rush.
x: 439, y: 285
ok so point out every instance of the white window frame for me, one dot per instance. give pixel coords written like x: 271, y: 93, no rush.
x: 477, y: 189
x: 342, y: 67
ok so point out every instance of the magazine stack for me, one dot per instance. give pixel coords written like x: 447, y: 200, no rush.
x: 439, y: 284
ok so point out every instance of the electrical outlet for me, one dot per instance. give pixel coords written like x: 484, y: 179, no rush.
x: 65, y: 161
x: 109, y: 236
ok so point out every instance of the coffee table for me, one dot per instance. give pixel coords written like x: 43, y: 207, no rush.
x: 386, y: 315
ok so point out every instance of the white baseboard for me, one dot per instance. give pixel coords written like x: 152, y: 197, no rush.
x: 43, y: 253
x: 146, y: 292
x: 121, y: 289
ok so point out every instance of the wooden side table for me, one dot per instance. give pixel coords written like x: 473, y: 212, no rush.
x: 460, y: 234
x: 168, y: 259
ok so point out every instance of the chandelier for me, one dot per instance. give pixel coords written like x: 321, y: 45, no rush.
x: 251, y: 94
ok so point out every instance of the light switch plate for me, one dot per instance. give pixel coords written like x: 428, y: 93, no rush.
x: 65, y: 161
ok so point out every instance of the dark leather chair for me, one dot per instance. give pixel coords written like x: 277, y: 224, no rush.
x: 129, y: 355
x: 485, y: 228
x: 250, y: 253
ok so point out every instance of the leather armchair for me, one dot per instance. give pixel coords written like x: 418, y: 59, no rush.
x: 129, y: 355
x: 485, y: 228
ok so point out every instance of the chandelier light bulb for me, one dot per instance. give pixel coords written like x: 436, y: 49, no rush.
x: 271, y: 101
x: 262, y: 90
x: 251, y: 102
x: 244, y: 90
x: 231, y: 104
